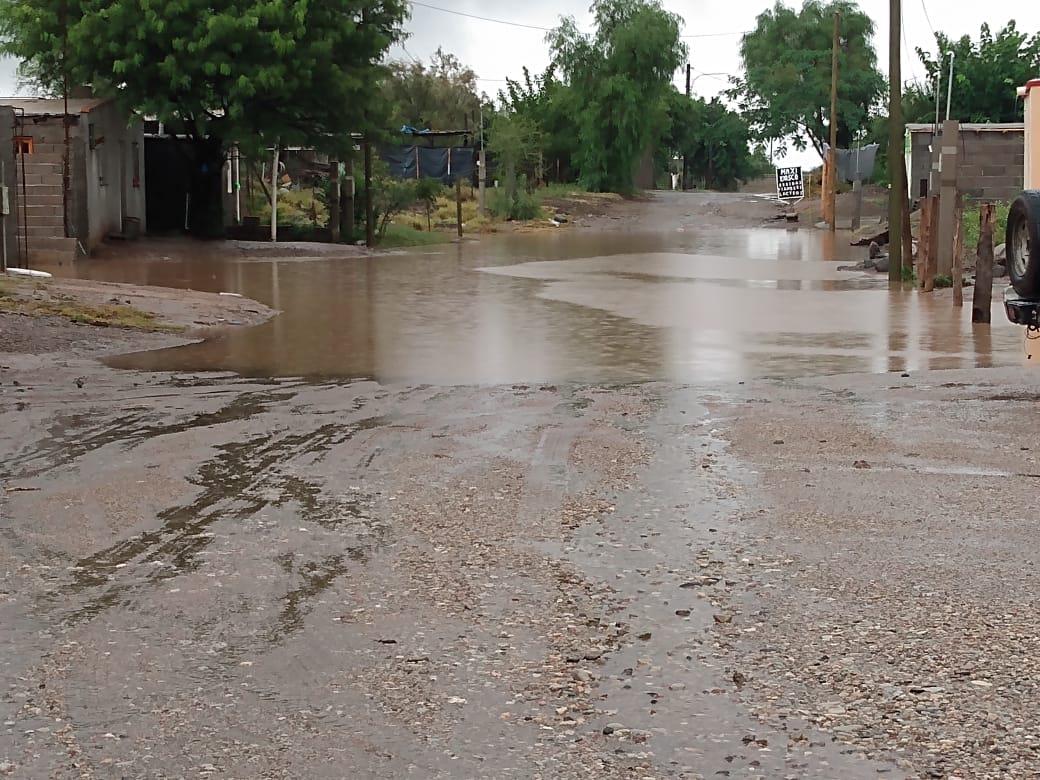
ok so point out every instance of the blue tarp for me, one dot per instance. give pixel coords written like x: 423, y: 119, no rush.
x: 420, y: 162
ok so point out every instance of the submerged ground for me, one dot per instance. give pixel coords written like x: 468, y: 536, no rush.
x: 667, y: 505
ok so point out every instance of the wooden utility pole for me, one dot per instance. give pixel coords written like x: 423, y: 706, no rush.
x: 334, y: 215
x: 685, y: 171
x: 896, y: 131
x: 982, y: 302
x: 370, y: 217
x: 832, y: 153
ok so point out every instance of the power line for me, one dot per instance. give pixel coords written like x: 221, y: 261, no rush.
x: 538, y: 27
x: 481, y: 18
x: 716, y: 35
x: 927, y: 18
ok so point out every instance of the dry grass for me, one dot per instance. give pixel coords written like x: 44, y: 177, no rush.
x: 37, y: 301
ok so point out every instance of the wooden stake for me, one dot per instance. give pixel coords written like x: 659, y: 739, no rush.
x: 926, y: 244
x: 458, y: 204
x: 334, y: 200
x: 957, y: 274
x: 370, y: 214
x: 982, y: 301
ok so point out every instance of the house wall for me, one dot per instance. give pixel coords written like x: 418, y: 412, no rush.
x: 114, y: 172
x: 992, y: 163
x: 10, y: 179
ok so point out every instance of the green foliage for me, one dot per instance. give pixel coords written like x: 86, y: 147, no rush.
x: 427, y: 191
x: 253, y: 72
x: 970, y: 226
x: 908, y: 273
x: 987, y: 74
x: 943, y: 281
x: 549, y: 105
x: 621, y: 75
x: 785, y: 90
x: 515, y: 142
x: 438, y: 96
x: 714, y: 140
x: 405, y: 236
x: 297, y: 208
x: 516, y: 205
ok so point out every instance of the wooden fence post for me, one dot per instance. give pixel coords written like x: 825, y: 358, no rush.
x: 982, y: 302
x: 458, y: 204
x: 925, y: 261
x: 957, y: 274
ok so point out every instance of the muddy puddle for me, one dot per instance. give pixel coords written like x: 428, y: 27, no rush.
x: 675, y: 304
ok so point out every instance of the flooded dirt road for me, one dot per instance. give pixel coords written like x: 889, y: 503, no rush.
x: 670, y: 293
x: 280, y: 574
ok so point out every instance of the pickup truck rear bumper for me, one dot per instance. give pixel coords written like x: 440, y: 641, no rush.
x: 1021, y: 311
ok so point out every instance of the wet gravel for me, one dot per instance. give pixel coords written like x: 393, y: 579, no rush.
x: 208, y: 576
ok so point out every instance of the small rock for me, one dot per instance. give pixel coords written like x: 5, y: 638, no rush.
x: 778, y: 441
x: 875, y: 250
x: 724, y: 619
x: 610, y: 728
x: 861, y: 464
x: 644, y: 637
x: 999, y: 271
x: 1000, y: 253
x: 6, y: 768
x: 677, y: 686
x: 881, y: 265
x: 682, y: 612
x: 592, y: 655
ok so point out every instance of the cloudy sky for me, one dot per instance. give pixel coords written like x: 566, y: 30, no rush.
x: 496, y: 51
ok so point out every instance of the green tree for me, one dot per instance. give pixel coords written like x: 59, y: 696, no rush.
x: 785, y: 89
x: 620, y: 75
x: 987, y: 74
x: 439, y: 96
x: 549, y: 104
x: 253, y: 72
x: 515, y: 142
x: 714, y: 140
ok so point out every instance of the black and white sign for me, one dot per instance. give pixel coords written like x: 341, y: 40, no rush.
x: 789, y: 184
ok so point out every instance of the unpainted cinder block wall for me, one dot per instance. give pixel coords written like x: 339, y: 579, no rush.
x: 992, y: 164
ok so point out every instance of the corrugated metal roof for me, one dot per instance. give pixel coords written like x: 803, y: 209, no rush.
x: 968, y: 127
x: 52, y: 106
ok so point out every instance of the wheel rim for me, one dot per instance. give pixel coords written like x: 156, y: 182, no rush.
x: 1020, y: 248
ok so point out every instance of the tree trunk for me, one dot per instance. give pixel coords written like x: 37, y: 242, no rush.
x: 206, y: 208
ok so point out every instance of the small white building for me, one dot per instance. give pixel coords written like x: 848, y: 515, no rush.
x: 106, y: 189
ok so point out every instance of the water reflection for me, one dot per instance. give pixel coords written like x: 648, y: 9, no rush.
x: 616, y: 306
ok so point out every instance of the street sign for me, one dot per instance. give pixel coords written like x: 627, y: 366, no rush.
x: 789, y: 184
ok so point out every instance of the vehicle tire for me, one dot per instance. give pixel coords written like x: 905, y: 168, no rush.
x: 1023, y: 244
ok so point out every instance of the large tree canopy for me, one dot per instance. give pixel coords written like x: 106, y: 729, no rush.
x: 713, y: 139
x: 622, y: 74
x: 438, y: 96
x: 987, y: 74
x: 550, y: 105
x: 785, y: 89
x: 243, y: 71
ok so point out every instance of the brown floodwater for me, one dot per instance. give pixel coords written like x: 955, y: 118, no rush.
x: 685, y: 305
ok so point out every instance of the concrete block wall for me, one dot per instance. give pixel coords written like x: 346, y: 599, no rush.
x: 992, y: 164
